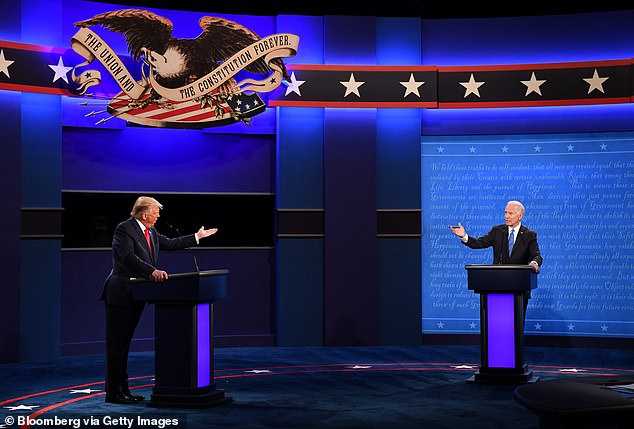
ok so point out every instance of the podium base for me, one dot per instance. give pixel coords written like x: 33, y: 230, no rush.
x: 501, y: 377
x: 204, y: 400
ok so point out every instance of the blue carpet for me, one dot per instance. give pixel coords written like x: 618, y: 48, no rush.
x: 300, y: 388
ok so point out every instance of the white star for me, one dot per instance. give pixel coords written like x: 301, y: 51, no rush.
x: 538, y: 326
x: 411, y: 86
x: 533, y: 85
x: 352, y: 86
x: 360, y: 367
x: 472, y: 149
x: 570, y: 148
x: 472, y: 325
x: 472, y: 86
x: 440, y: 325
x: 4, y: 63
x: 22, y: 407
x: 258, y: 371
x: 60, y: 70
x: 571, y: 327
x: 505, y: 149
x: 293, y: 85
x: 440, y: 149
x: 596, y: 82
x: 86, y: 391
x: 571, y: 370
x: 537, y: 148
x: 604, y: 328
x: 462, y: 367
x: 604, y: 146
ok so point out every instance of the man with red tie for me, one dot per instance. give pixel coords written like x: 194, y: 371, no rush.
x: 135, y: 249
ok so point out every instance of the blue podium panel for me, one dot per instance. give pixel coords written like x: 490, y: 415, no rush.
x: 183, y: 357
x: 504, y: 291
x: 500, y: 326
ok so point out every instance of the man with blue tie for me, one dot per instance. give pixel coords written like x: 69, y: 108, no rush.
x: 512, y: 242
x: 135, y: 248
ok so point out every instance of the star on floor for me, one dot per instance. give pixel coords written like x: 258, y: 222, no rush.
x: 60, y: 70
x: 352, y: 86
x: 83, y: 391
x: 22, y: 407
x: 462, y: 367
x: 360, y: 367
x: 258, y: 371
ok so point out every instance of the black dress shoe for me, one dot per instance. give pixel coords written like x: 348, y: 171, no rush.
x: 137, y: 398
x: 120, y: 398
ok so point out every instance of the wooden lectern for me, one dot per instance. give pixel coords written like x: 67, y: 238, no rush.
x: 504, y: 291
x: 183, y: 350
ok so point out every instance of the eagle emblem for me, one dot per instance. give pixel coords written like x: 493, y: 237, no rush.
x: 184, y: 82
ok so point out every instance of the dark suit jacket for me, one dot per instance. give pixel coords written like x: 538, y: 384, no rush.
x: 131, y: 257
x: 525, y: 248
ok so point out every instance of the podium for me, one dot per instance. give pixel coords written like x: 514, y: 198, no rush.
x: 504, y: 291
x: 184, y: 351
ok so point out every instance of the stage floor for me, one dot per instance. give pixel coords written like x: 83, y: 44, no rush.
x: 301, y: 387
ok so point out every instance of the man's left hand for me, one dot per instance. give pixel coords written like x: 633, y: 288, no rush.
x: 202, y: 232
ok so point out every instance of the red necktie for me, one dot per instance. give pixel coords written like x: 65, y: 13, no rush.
x: 147, y: 237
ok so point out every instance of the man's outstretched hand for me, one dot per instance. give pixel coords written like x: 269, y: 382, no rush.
x: 202, y: 232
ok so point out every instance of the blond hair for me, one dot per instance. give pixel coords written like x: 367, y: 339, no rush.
x: 143, y: 204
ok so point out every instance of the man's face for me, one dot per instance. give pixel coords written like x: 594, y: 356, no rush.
x: 149, y: 217
x: 512, y: 215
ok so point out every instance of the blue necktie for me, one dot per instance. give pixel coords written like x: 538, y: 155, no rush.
x: 511, y: 241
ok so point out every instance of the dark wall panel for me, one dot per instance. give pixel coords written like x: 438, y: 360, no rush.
x: 10, y: 226
x: 244, y: 317
x: 350, y: 244
x: 243, y: 220
x: 166, y: 160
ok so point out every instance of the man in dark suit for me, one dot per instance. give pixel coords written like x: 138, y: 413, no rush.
x: 524, y: 250
x: 512, y: 242
x: 135, y: 249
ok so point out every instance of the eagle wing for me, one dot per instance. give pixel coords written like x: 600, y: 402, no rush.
x: 141, y: 28
x: 221, y: 38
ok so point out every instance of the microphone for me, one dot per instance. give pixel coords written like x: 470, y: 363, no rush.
x: 196, y: 264
x: 172, y: 227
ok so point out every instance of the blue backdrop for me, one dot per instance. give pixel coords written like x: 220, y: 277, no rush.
x: 578, y: 191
